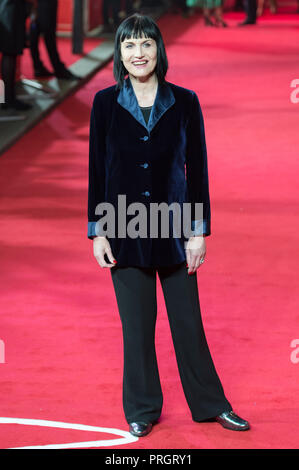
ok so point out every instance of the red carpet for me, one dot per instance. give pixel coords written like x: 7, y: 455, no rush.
x: 59, y: 318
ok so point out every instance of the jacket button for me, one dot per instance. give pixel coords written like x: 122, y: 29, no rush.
x: 144, y: 138
x: 146, y: 193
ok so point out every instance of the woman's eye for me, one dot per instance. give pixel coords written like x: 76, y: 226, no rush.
x: 147, y: 44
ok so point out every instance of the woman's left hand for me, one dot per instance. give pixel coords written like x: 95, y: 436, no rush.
x: 195, y: 253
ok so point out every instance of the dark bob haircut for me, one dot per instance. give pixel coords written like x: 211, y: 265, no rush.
x: 135, y: 26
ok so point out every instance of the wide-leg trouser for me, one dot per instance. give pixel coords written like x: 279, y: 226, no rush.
x: 135, y: 290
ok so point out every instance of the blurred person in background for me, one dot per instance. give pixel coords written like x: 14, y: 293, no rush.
x: 261, y: 5
x: 12, y: 42
x: 110, y: 11
x: 44, y: 21
x: 212, y: 8
x: 250, y: 10
x: 239, y: 5
x: 180, y: 6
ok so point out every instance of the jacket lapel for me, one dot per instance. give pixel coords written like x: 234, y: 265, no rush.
x: 163, y: 101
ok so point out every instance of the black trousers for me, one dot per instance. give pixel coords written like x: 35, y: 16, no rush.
x: 8, y: 73
x: 45, y: 24
x: 250, y: 9
x: 135, y: 289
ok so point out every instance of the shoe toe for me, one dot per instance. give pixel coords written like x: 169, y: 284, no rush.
x: 140, y: 428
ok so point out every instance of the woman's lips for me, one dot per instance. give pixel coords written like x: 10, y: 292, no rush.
x: 140, y: 65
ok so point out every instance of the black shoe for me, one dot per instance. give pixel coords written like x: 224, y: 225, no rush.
x: 42, y: 72
x: 230, y: 420
x: 140, y: 429
x: 18, y: 105
x: 66, y: 74
x: 246, y: 22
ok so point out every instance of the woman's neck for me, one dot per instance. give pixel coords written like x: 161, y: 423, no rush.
x: 144, y: 86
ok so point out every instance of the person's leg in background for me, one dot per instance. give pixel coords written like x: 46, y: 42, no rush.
x: 34, y: 35
x: 201, y: 384
x: 50, y: 41
x: 135, y: 290
x: 12, y: 43
x: 105, y: 14
x: 207, y: 11
x: 260, y: 7
x: 218, y: 13
x: 251, y: 12
x: 251, y: 9
x: 115, y: 6
x: 47, y: 21
x: 8, y: 73
x: 273, y: 6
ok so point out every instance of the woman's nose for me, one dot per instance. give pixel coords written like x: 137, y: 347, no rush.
x: 138, y: 52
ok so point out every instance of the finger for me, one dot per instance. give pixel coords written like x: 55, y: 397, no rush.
x: 188, y: 258
x: 193, y: 270
x: 110, y: 257
x: 192, y: 265
x: 100, y: 260
x: 103, y: 263
x: 195, y: 263
x: 107, y: 264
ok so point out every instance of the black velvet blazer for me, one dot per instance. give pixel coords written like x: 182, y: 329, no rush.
x: 164, y: 160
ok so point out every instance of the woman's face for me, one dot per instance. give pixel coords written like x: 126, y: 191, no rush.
x: 139, y: 56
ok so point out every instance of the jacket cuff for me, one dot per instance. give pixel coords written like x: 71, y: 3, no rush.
x: 200, y: 227
x: 91, y: 230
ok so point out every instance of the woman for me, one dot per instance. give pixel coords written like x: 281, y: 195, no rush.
x: 143, y: 130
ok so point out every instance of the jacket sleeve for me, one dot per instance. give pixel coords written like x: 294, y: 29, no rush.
x: 197, y: 170
x: 97, y: 151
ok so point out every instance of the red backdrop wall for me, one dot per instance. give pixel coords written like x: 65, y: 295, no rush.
x: 93, y: 14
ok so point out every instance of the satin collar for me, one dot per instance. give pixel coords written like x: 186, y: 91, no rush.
x: 163, y: 101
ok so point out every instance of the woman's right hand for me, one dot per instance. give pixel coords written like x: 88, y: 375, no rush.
x: 100, y: 247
